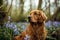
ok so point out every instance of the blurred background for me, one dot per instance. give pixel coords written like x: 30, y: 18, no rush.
x: 13, y: 17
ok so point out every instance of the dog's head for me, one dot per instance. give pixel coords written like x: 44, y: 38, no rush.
x: 37, y: 16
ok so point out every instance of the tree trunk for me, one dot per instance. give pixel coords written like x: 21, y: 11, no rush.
x: 39, y: 4
x: 6, y: 3
x: 16, y: 6
x: 56, y: 3
x: 55, y: 16
x: 45, y: 5
x: 21, y: 6
x: 1, y: 2
x: 49, y: 10
x: 9, y: 10
x: 30, y: 5
x: 49, y: 7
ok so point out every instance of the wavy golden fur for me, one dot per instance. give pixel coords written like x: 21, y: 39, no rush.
x: 36, y: 28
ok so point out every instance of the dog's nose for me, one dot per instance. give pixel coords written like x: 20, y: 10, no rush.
x: 29, y: 17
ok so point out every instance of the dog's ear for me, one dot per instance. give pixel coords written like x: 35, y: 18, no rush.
x: 44, y: 17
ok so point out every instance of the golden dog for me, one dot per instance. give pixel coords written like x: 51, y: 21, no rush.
x: 36, y: 28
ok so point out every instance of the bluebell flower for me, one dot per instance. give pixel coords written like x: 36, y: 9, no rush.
x: 50, y: 23
x: 12, y: 26
x: 55, y: 23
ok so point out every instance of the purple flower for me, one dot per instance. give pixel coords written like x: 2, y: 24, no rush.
x: 56, y: 23
x: 12, y: 26
x: 50, y: 24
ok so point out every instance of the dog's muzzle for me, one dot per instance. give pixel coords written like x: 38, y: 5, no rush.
x: 29, y: 18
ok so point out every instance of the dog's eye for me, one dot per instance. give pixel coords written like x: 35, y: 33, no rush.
x: 35, y: 13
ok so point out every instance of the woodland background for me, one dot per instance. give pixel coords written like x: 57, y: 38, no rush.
x: 13, y: 17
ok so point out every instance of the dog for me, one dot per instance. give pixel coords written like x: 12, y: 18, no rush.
x: 36, y: 28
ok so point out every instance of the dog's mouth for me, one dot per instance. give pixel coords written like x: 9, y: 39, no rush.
x: 35, y: 23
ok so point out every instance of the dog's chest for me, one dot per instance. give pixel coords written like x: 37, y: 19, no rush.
x: 37, y: 29
x: 37, y: 32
